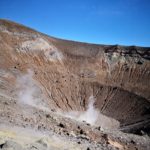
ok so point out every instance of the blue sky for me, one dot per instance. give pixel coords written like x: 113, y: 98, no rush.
x: 125, y: 22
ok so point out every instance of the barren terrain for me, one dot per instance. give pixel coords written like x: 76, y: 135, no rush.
x: 59, y: 94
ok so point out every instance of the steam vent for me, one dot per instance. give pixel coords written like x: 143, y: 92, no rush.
x: 64, y: 95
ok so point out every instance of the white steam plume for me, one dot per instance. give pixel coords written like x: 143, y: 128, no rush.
x: 29, y: 93
x: 92, y: 116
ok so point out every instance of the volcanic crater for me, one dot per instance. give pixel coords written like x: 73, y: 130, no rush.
x: 98, y: 86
